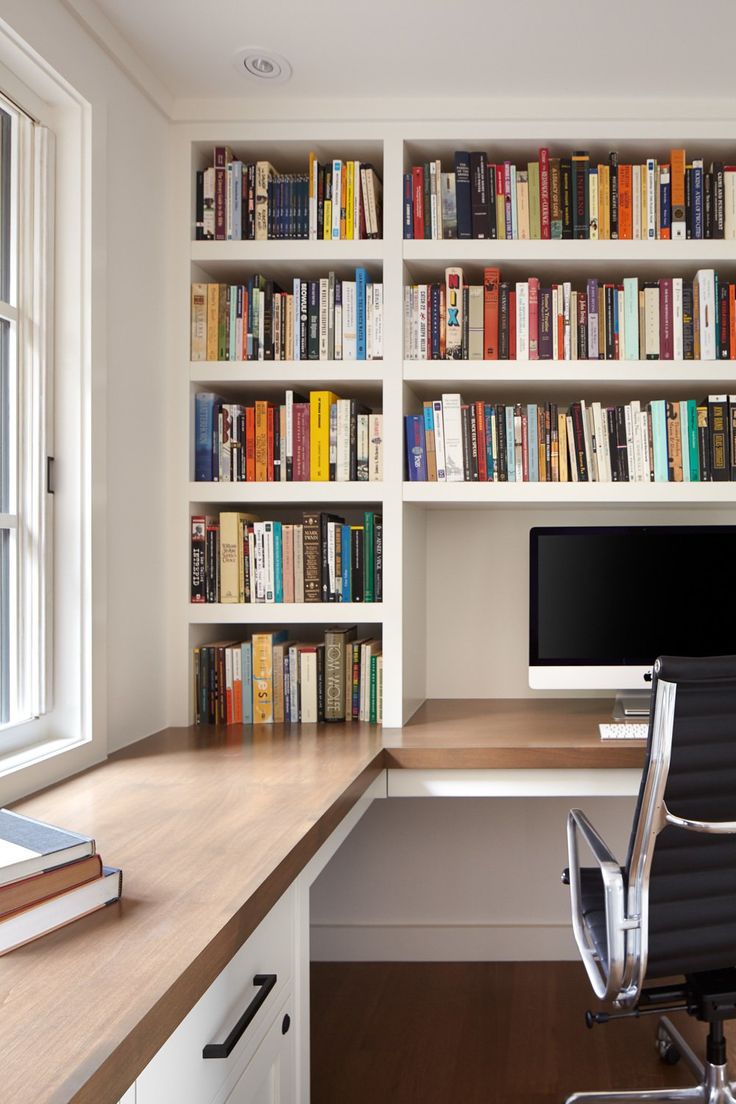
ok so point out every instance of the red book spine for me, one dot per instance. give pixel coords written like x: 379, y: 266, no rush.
x: 732, y: 321
x: 491, y: 280
x: 417, y: 177
x: 665, y: 320
x: 544, y: 195
x: 533, y: 318
x: 250, y: 444
x: 512, y: 325
x: 481, y: 434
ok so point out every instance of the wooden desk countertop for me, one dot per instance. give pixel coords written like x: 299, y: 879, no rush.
x: 210, y: 827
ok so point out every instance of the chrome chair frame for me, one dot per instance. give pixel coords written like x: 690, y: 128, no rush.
x: 620, y: 980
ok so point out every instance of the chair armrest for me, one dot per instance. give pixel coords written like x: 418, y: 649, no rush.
x: 711, y: 827
x: 605, y: 978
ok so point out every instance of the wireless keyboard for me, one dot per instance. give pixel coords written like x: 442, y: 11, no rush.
x: 623, y: 731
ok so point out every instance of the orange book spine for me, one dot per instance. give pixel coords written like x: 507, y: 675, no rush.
x: 269, y: 444
x: 677, y: 180
x: 261, y: 441
x: 625, y: 212
x: 250, y: 444
x: 491, y: 280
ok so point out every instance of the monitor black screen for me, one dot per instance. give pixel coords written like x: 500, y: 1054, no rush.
x: 625, y: 595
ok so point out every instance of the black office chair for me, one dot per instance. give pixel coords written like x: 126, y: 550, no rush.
x: 670, y: 912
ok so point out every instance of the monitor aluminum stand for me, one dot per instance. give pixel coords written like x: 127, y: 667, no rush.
x: 632, y: 705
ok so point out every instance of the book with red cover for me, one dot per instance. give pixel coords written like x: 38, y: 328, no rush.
x: 545, y: 194
x: 417, y: 176
x: 491, y: 280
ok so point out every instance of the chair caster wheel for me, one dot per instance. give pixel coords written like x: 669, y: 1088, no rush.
x: 668, y: 1052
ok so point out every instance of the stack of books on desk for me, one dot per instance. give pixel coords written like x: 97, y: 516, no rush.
x: 48, y: 877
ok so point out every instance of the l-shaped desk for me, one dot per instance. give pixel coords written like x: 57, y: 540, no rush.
x: 211, y: 827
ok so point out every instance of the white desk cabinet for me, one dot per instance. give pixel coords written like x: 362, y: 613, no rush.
x: 270, y: 1076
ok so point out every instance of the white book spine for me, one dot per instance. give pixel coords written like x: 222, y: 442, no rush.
x: 638, y: 469
x: 409, y: 350
x: 707, y: 299
x: 324, y: 291
x: 566, y: 290
x: 298, y: 563
x: 630, y: 457
x: 572, y: 460
x: 677, y: 320
x: 369, y: 333
x: 260, y: 561
x: 636, y: 202
x: 555, y: 313
x: 423, y: 325
x: 356, y: 201
x: 433, y: 200
x: 349, y: 321
x: 621, y: 325
x: 651, y: 199
x: 587, y: 442
x: 289, y: 427
x: 375, y: 460
x: 600, y: 442
x: 522, y: 321
x: 378, y: 321
x: 268, y: 560
x: 729, y: 205
x: 331, y: 556
x: 342, y: 466
x: 439, y: 441
x: 646, y: 473
x: 453, y: 434
x: 313, y: 189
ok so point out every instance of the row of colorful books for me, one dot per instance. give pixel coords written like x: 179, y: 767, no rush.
x: 271, y: 679
x: 316, y: 437
x: 48, y: 878
x: 236, y: 557
x: 237, y: 200
x: 571, y: 197
x: 671, y: 318
x: 660, y: 441
x: 324, y: 319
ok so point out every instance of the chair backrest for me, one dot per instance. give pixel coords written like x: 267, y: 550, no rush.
x: 682, y: 880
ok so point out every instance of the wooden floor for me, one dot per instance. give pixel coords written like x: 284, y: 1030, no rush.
x: 472, y: 1033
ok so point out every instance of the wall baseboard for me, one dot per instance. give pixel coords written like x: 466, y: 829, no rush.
x: 442, y: 943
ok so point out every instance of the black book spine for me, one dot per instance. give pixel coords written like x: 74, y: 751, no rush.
x: 324, y: 566
x: 688, y: 202
x: 276, y: 445
x: 199, y: 206
x: 723, y: 321
x: 704, y: 444
x: 720, y: 462
x: 732, y: 436
x: 251, y: 221
x: 479, y: 194
x: 378, y: 558
x: 613, y: 192
x: 581, y: 460
x: 320, y: 682
x: 313, y: 321
x: 474, y: 466
x: 503, y: 321
x: 609, y: 291
x: 357, y: 551
x: 708, y: 205
x: 580, y: 215
x: 353, y: 460
x: 462, y: 195
x: 622, y: 452
x: 718, y: 204
x: 688, y: 333
x: 491, y: 191
x: 465, y: 423
x: 303, y: 319
x: 566, y: 196
x: 434, y: 320
x: 320, y: 202
x: 502, y: 458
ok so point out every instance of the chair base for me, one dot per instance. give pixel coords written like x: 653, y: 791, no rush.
x: 713, y: 1086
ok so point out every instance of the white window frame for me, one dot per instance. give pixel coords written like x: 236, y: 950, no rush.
x: 28, y: 314
x: 72, y: 734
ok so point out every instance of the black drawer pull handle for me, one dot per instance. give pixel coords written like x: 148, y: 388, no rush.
x: 265, y: 982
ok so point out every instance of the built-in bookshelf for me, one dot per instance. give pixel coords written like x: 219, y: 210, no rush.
x: 454, y: 612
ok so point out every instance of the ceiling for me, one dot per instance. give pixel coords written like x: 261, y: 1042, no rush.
x: 454, y: 48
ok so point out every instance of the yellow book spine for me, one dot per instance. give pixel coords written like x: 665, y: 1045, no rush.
x: 262, y: 678
x: 230, y: 542
x: 350, y: 201
x: 327, y: 232
x: 320, y: 403
x: 604, y: 202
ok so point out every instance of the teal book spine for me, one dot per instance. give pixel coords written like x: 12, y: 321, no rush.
x: 692, y: 433
x: 346, y: 550
x: 510, y: 453
x: 246, y: 662
x: 368, y: 554
x: 361, y: 279
x: 278, y: 562
x: 659, y: 440
x: 631, y: 318
x: 533, y: 439
x: 685, y: 441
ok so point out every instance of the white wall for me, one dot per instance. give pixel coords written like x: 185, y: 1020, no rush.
x: 129, y: 184
x: 463, y: 879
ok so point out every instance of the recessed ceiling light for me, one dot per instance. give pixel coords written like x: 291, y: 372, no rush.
x: 263, y: 65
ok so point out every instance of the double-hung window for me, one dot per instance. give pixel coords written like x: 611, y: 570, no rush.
x: 26, y: 173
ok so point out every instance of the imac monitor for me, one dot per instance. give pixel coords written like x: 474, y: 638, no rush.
x: 605, y: 601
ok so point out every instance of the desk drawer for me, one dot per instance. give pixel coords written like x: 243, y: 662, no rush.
x: 179, y: 1074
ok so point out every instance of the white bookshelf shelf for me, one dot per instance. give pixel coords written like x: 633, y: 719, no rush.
x: 260, y: 252
x: 287, y: 613
x: 491, y: 251
x: 305, y: 373
x: 315, y: 494
x: 444, y: 495
x: 588, y: 374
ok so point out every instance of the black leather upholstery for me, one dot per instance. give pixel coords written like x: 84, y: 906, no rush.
x: 592, y: 898
x: 692, y: 885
